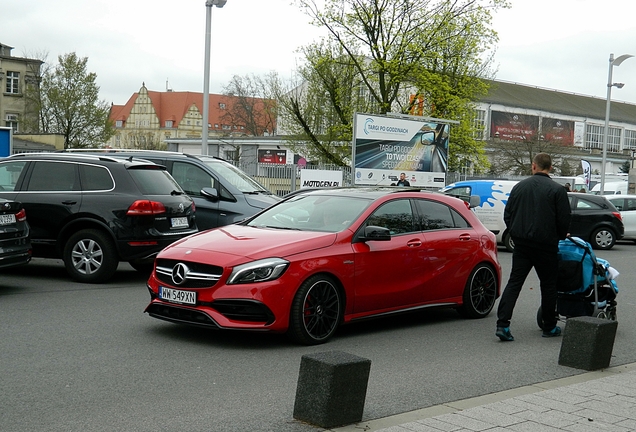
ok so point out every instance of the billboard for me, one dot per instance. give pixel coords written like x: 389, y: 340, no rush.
x: 513, y: 127
x: 272, y: 156
x: 384, y: 147
x: 6, y: 141
x: 557, y: 131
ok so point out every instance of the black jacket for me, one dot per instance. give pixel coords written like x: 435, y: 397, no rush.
x: 538, y: 212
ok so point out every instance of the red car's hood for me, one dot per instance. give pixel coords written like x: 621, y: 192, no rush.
x: 238, y: 242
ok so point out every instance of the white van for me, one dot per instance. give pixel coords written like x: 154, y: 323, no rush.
x: 494, y: 196
x: 576, y: 183
x: 611, y: 188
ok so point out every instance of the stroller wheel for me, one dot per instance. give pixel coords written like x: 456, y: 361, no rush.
x: 540, y: 318
x: 600, y: 314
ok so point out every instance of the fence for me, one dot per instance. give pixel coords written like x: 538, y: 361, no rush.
x: 282, y: 179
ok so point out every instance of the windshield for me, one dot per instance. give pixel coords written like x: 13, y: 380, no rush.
x: 235, y: 176
x: 313, y: 213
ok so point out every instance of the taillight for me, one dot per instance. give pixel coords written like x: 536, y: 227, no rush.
x: 21, y: 216
x: 146, y: 208
x: 618, y: 215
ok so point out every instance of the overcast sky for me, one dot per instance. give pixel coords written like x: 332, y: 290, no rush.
x: 558, y: 44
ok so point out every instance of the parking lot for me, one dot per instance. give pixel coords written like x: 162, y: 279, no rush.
x: 78, y: 357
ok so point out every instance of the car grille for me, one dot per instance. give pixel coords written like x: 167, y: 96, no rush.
x: 244, y: 310
x: 180, y: 315
x: 190, y: 274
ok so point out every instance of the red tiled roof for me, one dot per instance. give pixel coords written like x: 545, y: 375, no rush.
x: 173, y: 106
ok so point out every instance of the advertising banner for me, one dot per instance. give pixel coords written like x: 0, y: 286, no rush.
x: 587, y: 173
x: 513, y: 127
x: 272, y: 156
x: 310, y: 178
x: 557, y: 131
x: 385, y: 147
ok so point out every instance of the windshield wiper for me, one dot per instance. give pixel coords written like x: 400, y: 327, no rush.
x: 176, y: 192
x: 277, y: 227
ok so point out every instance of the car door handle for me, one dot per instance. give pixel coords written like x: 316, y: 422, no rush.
x: 414, y: 243
x: 464, y: 237
x: 69, y: 202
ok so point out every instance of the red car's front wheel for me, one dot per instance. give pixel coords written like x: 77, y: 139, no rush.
x: 316, y: 311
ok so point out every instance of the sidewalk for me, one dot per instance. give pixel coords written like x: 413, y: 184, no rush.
x: 593, y: 401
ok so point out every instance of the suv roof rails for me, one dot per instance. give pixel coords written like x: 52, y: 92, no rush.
x: 77, y: 155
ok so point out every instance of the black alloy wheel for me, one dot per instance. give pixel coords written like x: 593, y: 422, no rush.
x: 316, y: 311
x: 480, y: 292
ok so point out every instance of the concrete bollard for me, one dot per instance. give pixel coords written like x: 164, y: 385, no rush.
x: 587, y: 343
x: 332, y: 387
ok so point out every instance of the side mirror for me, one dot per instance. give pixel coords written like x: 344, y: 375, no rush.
x: 210, y: 193
x: 375, y: 233
x: 474, y: 201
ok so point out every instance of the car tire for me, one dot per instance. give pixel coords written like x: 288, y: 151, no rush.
x: 90, y: 256
x: 508, y: 243
x: 603, y: 238
x: 480, y: 292
x: 316, y: 311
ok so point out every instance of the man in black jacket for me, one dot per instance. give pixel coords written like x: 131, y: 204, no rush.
x: 537, y: 216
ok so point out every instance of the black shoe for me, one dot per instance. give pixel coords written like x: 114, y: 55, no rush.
x: 504, y: 334
x: 556, y: 331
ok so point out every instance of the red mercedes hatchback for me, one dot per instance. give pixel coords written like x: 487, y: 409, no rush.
x: 326, y: 257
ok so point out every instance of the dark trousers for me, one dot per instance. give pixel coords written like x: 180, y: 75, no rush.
x: 544, y: 261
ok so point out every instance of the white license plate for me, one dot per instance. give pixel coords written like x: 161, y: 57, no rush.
x: 177, y: 296
x: 179, y: 222
x: 7, y: 219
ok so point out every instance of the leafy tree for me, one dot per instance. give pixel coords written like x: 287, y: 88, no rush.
x: 515, y: 157
x: 380, y: 52
x: 625, y: 166
x: 251, y: 105
x: 318, y: 111
x: 69, y: 104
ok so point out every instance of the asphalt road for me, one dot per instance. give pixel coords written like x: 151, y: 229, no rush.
x: 77, y: 357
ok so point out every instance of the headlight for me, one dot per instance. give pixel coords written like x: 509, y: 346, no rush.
x: 258, y: 271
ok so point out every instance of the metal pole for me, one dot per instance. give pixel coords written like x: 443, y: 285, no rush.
x: 206, y: 78
x: 607, y: 115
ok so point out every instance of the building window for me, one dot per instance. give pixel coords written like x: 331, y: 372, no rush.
x: 221, y: 106
x: 230, y: 155
x: 13, y: 82
x: 11, y: 120
x: 226, y: 127
x: 594, y: 138
x: 216, y: 125
x: 119, y: 123
x: 168, y: 123
x: 479, y: 122
x: 630, y: 139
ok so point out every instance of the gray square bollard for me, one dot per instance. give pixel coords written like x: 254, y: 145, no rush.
x: 588, y: 343
x: 332, y: 387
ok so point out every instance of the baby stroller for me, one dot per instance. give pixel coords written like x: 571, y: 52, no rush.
x: 585, y: 283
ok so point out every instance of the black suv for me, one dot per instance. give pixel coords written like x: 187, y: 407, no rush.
x: 94, y: 211
x: 223, y: 194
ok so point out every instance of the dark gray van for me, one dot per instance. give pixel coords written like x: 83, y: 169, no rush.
x: 222, y: 193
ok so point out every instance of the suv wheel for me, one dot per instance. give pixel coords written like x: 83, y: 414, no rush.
x: 90, y: 256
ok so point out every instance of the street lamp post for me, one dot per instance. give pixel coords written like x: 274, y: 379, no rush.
x: 612, y: 62
x: 206, y: 72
